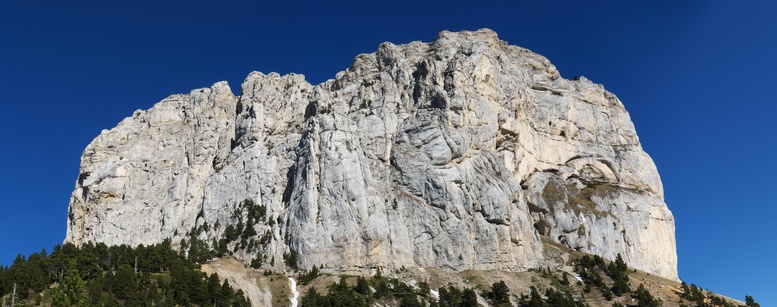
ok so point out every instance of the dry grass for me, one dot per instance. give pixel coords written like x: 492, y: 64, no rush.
x: 274, y: 289
x: 577, y: 200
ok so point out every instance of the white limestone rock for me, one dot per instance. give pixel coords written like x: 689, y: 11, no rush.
x: 460, y: 153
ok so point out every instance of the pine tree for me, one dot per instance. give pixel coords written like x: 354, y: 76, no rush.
x: 21, y: 273
x: 564, y: 279
x: 750, y: 302
x: 470, y: 299
x: 450, y: 297
x: 72, y: 290
x: 226, y: 295
x: 124, y: 284
x: 500, y: 294
x: 214, y: 288
x: 361, y: 286
x: 645, y: 299
x: 535, y: 300
x: 313, y: 299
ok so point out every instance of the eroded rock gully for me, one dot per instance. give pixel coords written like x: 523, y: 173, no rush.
x: 461, y: 153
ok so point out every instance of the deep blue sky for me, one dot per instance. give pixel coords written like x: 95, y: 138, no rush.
x: 698, y: 78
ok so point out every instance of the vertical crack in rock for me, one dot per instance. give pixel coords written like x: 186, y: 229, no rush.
x: 463, y: 153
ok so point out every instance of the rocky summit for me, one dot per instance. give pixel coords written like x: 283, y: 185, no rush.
x: 462, y: 153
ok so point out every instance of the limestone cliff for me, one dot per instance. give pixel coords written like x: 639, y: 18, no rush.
x: 461, y: 153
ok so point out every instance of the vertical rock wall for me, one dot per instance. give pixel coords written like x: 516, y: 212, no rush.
x: 461, y: 153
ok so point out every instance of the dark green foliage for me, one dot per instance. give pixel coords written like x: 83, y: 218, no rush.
x: 696, y: 295
x: 155, y: 275
x: 199, y: 250
x: 313, y: 299
x: 423, y: 288
x: 564, y: 279
x: 561, y: 299
x: 410, y: 301
x: 71, y: 291
x: 340, y: 294
x: 95, y: 287
x: 265, y: 239
x: 387, y: 291
x: 644, y: 298
x: 290, y: 259
x: 470, y: 298
x: 606, y: 293
x: 620, y: 265
x: 620, y: 286
x: 124, y: 284
x: 499, y: 294
x: 226, y: 295
x: 221, y: 247
x: 693, y: 294
x: 453, y: 297
x: 248, y: 215
x: 718, y: 301
x: 256, y: 212
x: 534, y: 299
x: 592, y: 276
x: 619, y: 273
x: 239, y: 228
x: 257, y: 262
x: 249, y: 231
x: 98, y: 275
x: 37, y: 265
x: 750, y: 302
x: 381, y: 288
x: 450, y: 297
x: 240, y: 300
x: 589, y: 267
x: 362, y: 287
x: 22, y: 275
x: 60, y: 257
x: 304, y: 279
x: 599, y: 261
x: 552, y: 298
x: 230, y: 234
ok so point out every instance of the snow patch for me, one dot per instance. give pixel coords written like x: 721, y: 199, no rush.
x: 295, y: 293
x: 436, y: 294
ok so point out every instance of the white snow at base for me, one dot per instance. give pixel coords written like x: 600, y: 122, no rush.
x: 436, y: 294
x: 295, y: 293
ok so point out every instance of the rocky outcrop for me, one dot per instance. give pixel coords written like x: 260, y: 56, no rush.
x: 461, y: 153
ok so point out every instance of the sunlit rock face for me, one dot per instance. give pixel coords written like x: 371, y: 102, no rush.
x: 462, y: 153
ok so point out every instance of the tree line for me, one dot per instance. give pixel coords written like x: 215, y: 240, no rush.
x: 101, y: 275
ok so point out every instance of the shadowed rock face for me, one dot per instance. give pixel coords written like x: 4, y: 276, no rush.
x: 461, y: 153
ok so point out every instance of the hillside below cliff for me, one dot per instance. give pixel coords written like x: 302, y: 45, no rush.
x: 463, y: 153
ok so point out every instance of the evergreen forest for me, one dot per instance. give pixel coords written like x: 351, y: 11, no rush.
x: 101, y: 275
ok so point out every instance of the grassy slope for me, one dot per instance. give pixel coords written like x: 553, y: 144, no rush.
x: 275, y: 287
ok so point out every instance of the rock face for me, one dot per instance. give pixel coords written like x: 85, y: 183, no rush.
x: 461, y: 153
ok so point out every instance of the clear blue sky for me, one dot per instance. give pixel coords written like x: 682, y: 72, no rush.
x: 699, y: 79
